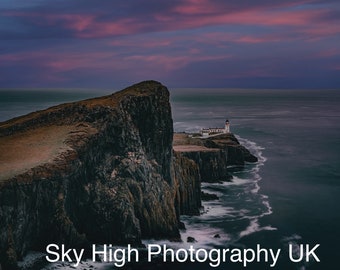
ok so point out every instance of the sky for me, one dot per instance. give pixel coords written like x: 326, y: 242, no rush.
x: 181, y: 43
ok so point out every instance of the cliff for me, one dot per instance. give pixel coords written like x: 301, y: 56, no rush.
x: 102, y: 170
x: 98, y: 170
x: 212, y: 155
x: 187, y: 180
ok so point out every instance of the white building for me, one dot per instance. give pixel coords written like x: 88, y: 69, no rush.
x: 212, y: 131
x: 227, y: 126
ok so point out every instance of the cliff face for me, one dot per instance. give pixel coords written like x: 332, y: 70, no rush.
x: 187, y: 180
x: 212, y: 164
x: 103, y: 170
x: 104, y: 177
x: 213, y: 155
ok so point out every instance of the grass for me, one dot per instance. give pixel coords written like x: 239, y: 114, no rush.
x: 182, y: 142
x: 25, y: 150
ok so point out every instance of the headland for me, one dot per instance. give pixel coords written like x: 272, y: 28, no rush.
x: 108, y: 169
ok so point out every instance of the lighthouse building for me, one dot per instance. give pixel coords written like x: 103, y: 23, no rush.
x: 213, y: 131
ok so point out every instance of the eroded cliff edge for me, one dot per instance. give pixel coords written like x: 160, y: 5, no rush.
x: 101, y: 170
x: 106, y: 176
x: 213, y: 155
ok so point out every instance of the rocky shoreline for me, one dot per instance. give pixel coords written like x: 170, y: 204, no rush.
x: 103, y: 170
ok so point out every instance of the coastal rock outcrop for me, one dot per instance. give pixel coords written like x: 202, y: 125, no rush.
x: 213, y: 154
x: 97, y: 170
x: 187, y: 180
x: 103, y: 170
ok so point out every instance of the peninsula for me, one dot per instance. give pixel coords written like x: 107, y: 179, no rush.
x: 108, y: 169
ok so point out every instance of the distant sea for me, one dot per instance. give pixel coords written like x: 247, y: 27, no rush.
x: 290, y: 197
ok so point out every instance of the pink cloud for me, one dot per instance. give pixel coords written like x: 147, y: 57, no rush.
x: 225, y: 40
x: 187, y: 15
x: 196, y: 7
x: 315, y: 32
x: 76, y: 22
x: 201, y: 7
x: 103, y: 29
x: 328, y: 53
x: 82, y: 25
x: 203, y: 12
x: 254, y: 40
x: 267, y: 18
x: 55, y: 63
x: 142, y: 42
x: 169, y: 62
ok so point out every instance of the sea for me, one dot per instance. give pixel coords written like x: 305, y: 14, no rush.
x: 288, y: 201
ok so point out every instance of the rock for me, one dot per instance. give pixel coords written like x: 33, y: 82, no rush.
x: 102, y: 170
x: 107, y: 180
x: 181, y: 225
x: 187, y: 178
x: 217, y: 236
x: 191, y: 239
x: 213, y: 155
x: 208, y: 196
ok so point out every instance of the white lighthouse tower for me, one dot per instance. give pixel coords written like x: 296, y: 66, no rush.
x: 227, y: 126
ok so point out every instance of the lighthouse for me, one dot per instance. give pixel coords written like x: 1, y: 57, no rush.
x: 217, y: 130
x: 227, y: 126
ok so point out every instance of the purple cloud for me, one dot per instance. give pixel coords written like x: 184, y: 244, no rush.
x: 68, y: 43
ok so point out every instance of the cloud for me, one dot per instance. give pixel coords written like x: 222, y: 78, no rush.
x: 328, y: 53
x: 170, y: 63
x: 182, y: 41
x: 174, y: 16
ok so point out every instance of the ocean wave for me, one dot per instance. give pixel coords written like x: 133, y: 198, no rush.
x: 223, y: 222
x: 236, y: 214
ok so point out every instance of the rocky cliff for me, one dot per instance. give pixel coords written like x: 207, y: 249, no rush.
x: 212, y: 155
x: 98, y: 170
x: 187, y: 180
x: 101, y: 170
